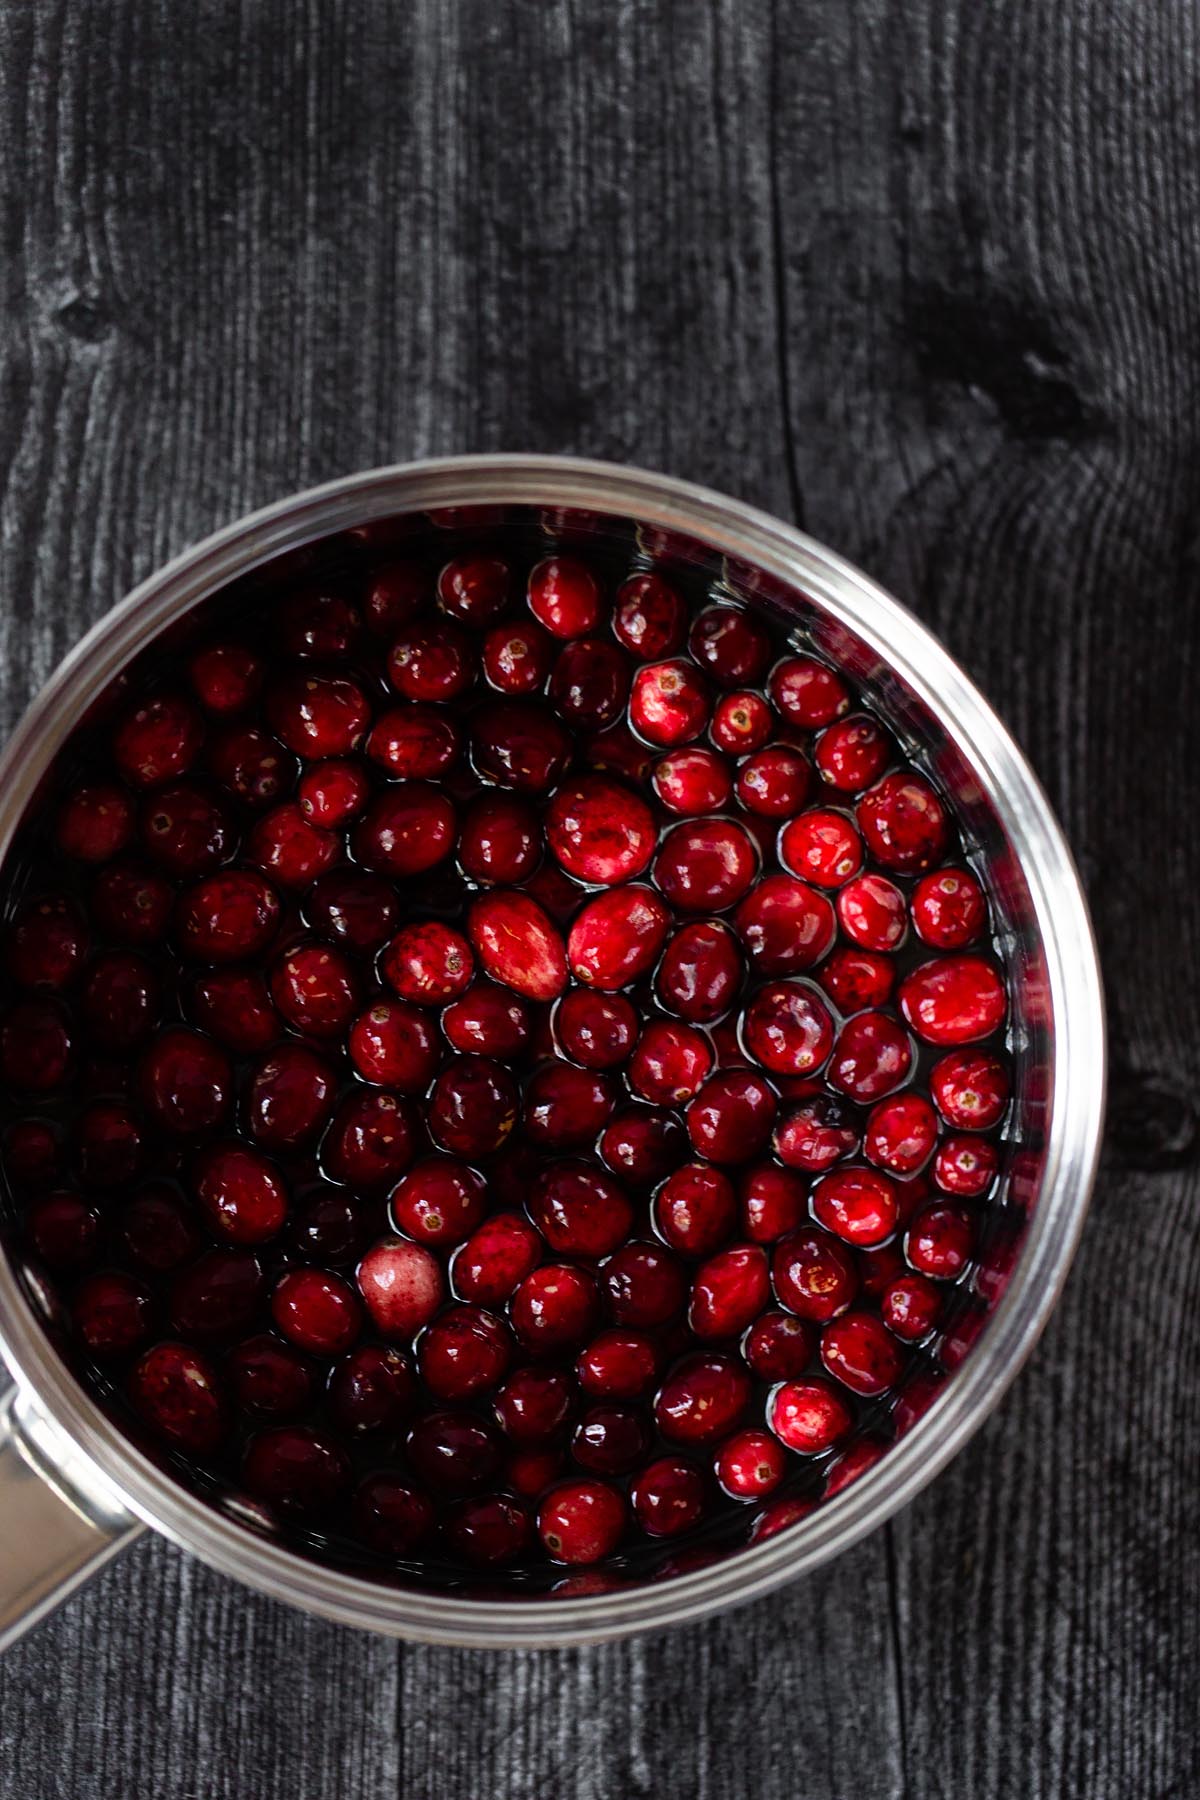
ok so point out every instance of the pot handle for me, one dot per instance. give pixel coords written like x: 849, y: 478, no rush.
x: 59, y: 1519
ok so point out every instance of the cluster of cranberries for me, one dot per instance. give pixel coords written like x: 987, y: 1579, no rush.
x: 501, y: 1064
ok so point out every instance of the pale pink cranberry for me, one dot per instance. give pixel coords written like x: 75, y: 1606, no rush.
x: 809, y: 1417
x: 95, y: 823
x: 520, y: 744
x: 589, y: 684
x: 954, y: 1000
x: 595, y: 1030
x: 788, y: 1028
x: 814, y: 1275
x: 619, y: 1365
x: 439, y: 1201
x: 474, y: 589
x: 496, y: 1258
x: 428, y: 964
x: 158, y: 741
x: 730, y: 1119
x: 731, y: 647
x: 472, y: 1107
x: 112, y: 1313
x: 807, y: 693
x: 642, y: 1144
x: 774, y: 782
x: 750, y: 1465
x: 517, y: 657
x: 564, y: 596
x: 729, y: 1291
x: 785, y: 925
x: 649, y: 617
x: 581, y: 1521
x: 434, y: 661
x: 518, y: 944
x: 903, y: 823
x: 670, y: 1064
x: 948, y: 909
x: 772, y: 1201
x: 395, y: 1045
x: 821, y: 847
x: 669, y: 704
x: 357, y: 909
x: 853, y: 753
x: 241, y: 1193
x: 703, y: 1399
x: 872, y: 912
x: 778, y: 1346
x: 554, y: 1308
x: 225, y: 678
x: 402, y: 1286
x: 464, y: 1352
x: 816, y: 1133
x: 599, y: 830
x: 706, y: 865
x: 911, y: 1307
x: 700, y: 972
x: 693, y: 781
x: 668, y: 1497
x: 371, y: 1139
x: 873, y: 1056
x: 297, y: 1470
x: 617, y: 938
x: 857, y: 980
x: 970, y: 1088
x: 317, y: 715
x: 741, y: 723
x: 695, y: 1209
x: 644, y: 1285
x: 610, y: 1440
x: 487, y: 1020
x: 177, y: 1391
x: 406, y: 830
x: 901, y: 1133
x: 290, y: 1097
x: 859, y: 1351
x: 371, y: 1389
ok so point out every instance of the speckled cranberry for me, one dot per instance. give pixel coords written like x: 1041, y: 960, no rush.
x: 809, y: 1417
x: 176, y: 1390
x: 814, y: 1275
x: 785, y: 925
x: 518, y: 944
x: 649, y: 617
x: 495, y: 1259
x: 299, y: 1471
x: 642, y: 1144
x: 778, y: 1346
x: 903, y: 823
x: 730, y: 1119
x: 402, y: 1286
x: 315, y: 988
x: 706, y: 865
x: 970, y: 1089
x: 554, y: 1308
x: 600, y: 831
x: 617, y: 938
x: 703, y: 1399
x: 518, y: 657
x: 808, y: 693
x: 954, y: 1000
x: 859, y: 1351
x: 581, y: 1521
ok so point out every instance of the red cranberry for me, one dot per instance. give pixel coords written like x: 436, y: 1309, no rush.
x: 595, y: 1030
x: 911, y: 1308
x: 177, y: 1392
x: 406, y: 830
x: 642, y: 1144
x: 395, y: 1045
x: 517, y: 657
x: 130, y: 905
x: 729, y: 1291
x: 872, y: 1057
x: 47, y: 944
x: 534, y: 1404
x: 618, y: 1365
x: 703, y: 1399
x: 554, y: 1308
x: 109, y: 1145
x: 671, y: 1062
x: 853, y: 753
x: 807, y: 693
x: 970, y: 1088
x: 253, y: 765
x: 940, y: 1241
x: 496, y: 1258
x: 948, y: 909
x: 814, y: 1276
x: 433, y: 661
x: 610, y: 1440
x: 788, y: 1029
x: 63, y: 1230
x: 241, y: 1193
x: 644, y: 1285
x: 857, y: 1205
x: 954, y: 1000
x: 518, y: 944
x: 391, y: 1516
x: 730, y: 646
x: 31, y: 1155
x: 878, y: 1268
x: 225, y: 678
x: 500, y: 839
x: 706, y: 866
x: 414, y: 742
x: 778, y: 1347
x: 872, y: 912
x: 750, y: 1465
x: 695, y: 1209
x: 186, y: 1082
x: 370, y: 1141
x: 669, y: 704
x: 396, y: 594
x: 332, y: 792
x: 901, y: 1133
x: 860, y: 1352
x: 564, y: 596
x: 428, y: 964
x: 785, y: 925
x: 402, y: 1286
x: 318, y: 622
x: 700, y: 972
x: 731, y: 1117
x: 440, y: 1201
x: 530, y: 1472
x: 227, y: 917
x: 465, y: 1351
x: 779, y: 1516
x: 579, y: 1210
x: 668, y: 1497
x: 693, y: 781
x: 35, y: 1046
x: 291, y: 1097
x: 617, y: 938
x: 316, y: 1310
x: 581, y: 1521
x: 616, y: 751
x: 857, y: 979
x: 519, y: 744
x: 774, y: 783
x: 474, y: 589
x: 112, y: 1313
x: 904, y: 823
x: 489, y: 1532
x: 296, y: 1470
x: 156, y: 1230
x: 220, y: 1293
x: 317, y: 715
x: 357, y: 909
x: 234, y: 1006
x: 473, y: 1106
x: 488, y: 1021
x: 741, y: 723
x: 822, y: 847
x: 371, y: 1389
x: 120, y: 1000
x: 773, y: 1202
x: 95, y: 822
x: 809, y: 1417
x: 158, y: 741
x: 590, y: 684
x: 314, y: 988
x: 185, y: 831
x: 815, y: 1134
x: 649, y: 617
x: 599, y: 830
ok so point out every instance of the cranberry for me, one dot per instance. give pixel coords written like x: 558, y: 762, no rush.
x: 903, y: 823
x: 464, y: 1352
x: 773, y: 1202
x: 332, y: 792
x: 518, y: 744
x: 220, y: 1293
x: 109, y: 1145
x: 954, y: 1000
x: 473, y: 1106
x: 589, y: 685
x: 253, y: 765
x: 729, y: 1291
x: 440, y: 1201
x: 788, y: 1029
x: 234, y: 1006
x: 822, y: 847
x: 295, y: 1469
x: 785, y: 925
x: 807, y: 693
x: 554, y: 1308
x: 185, y: 1081
x: 390, y: 1516
x: 649, y: 617
x: 970, y: 1088
x: 580, y: 1211
x: 860, y: 1352
x: 669, y: 704
x: 496, y: 1258
x: 695, y: 1209
x: 35, y: 1046
x: 489, y: 1532
x: 357, y: 909
x: 872, y: 912
x: 241, y: 1193
x: 62, y: 1230
x: 428, y: 964
x: 314, y: 988
x: 120, y: 1000
x: 948, y: 909
x: 517, y: 657
x: 186, y: 831
x: 31, y: 1156
x: 671, y: 1062
x: 642, y: 1144
x: 814, y: 1276
x: 47, y: 944
x: 706, y: 865
x: 395, y: 595
x: 731, y: 1117
x: 595, y: 1030
x: 317, y: 715
x: 534, y: 1404
x: 857, y: 1205
x: 872, y: 1057
x: 617, y: 938
x: 487, y: 1020
x: 911, y: 1307
x: 741, y: 723
x: 618, y: 752
x: 610, y: 1440
x: 809, y: 1417
x: 815, y: 1134
x: 95, y: 822
x: 433, y: 661
x: 853, y: 753
x: 177, y: 1392
x: 774, y: 782
x: 778, y: 1516
x: 693, y: 781
x: 112, y: 1313
x: 474, y: 589
x: 703, y: 1399
x: 668, y: 1497
x: 778, y: 1347
x: 316, y: 1310
x: 406, y: 830
x: 225, y: 678
x: 158, y: 741
x: 518, y: 944
x: 395, y: 1045
x: 700, y: 971
x: 130, y: 905
x: 857, y: 979
x: 500, y: 839
x: 156, y: 1230
x: 402, y: 1286
x: 618, y: 1365
x: 730, y: 646
x: 581, y: 1521
x: 644, y: 1285
x: 901, y: 1133
x: 750, y: 1465
x: 599, y: 830
x: 877, y: 1268
x: 318, y: 622
x: 290, y: 1098
x: 940, y: 1241
x: 227, y: 917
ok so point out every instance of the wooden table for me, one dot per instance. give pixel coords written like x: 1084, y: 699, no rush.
x: 925, y: 277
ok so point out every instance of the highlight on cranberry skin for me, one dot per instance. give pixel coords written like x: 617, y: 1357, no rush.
x: 504, y: 1060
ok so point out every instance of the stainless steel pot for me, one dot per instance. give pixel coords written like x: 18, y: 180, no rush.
x: 74, y: 1490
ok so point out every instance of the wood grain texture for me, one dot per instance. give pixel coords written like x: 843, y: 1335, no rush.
x: 926, y: 276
